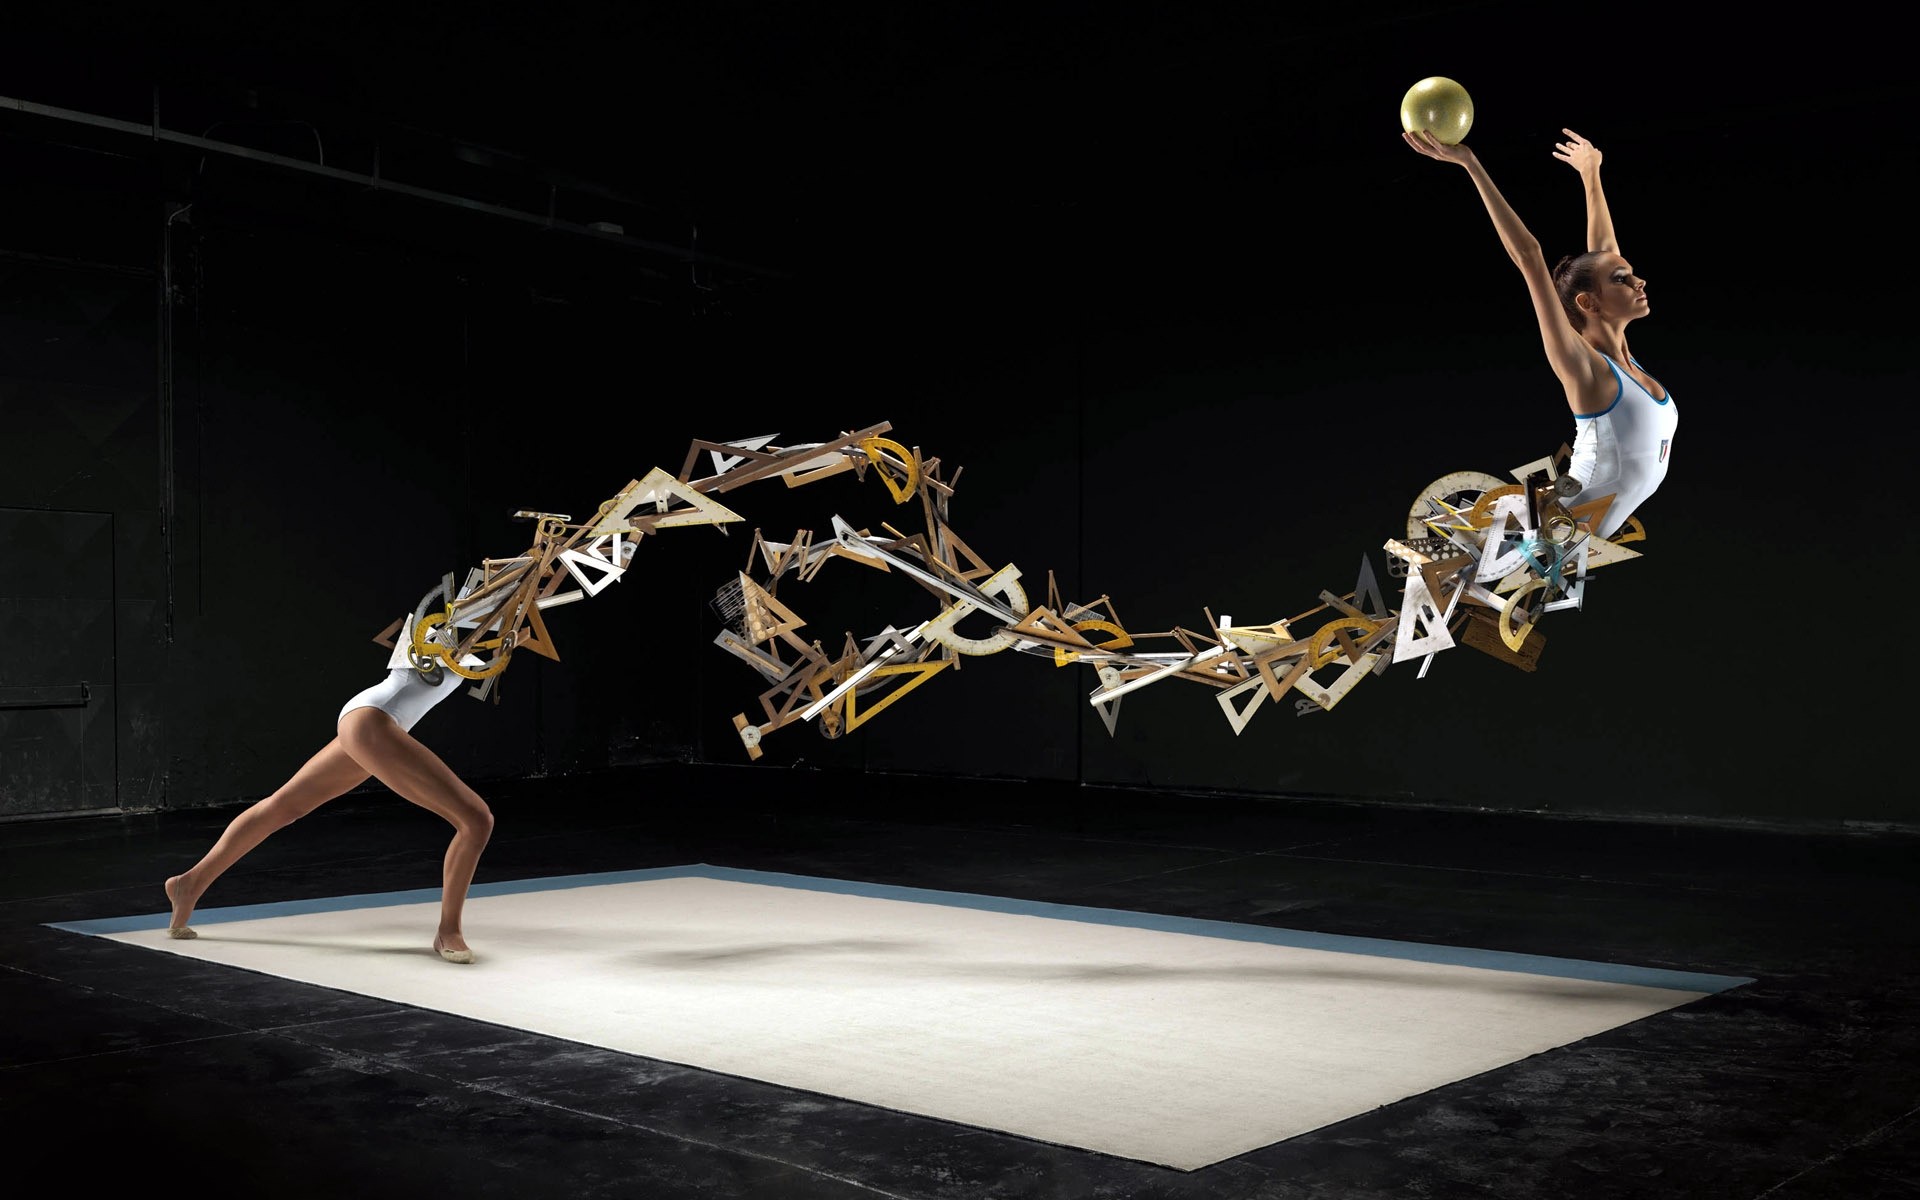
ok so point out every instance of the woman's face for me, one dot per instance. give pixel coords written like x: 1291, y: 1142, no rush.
x: 1619, y: 294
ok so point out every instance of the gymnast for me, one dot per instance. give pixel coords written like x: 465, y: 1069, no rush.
x: 1624, y: 418
x: 372, y: 740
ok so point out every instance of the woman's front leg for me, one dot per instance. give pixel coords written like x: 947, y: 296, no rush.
x: 419, y: 775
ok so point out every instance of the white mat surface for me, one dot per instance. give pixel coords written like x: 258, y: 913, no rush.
x: 1180, y: 1045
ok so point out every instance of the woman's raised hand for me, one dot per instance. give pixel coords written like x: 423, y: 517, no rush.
x: 1577, y: 152
x: 1434, y: 148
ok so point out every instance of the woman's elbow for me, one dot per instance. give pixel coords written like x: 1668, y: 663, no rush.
x: 1526, y: 253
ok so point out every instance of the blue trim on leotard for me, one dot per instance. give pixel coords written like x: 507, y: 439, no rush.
x: 1619, y: 390
x: 1650, y: 395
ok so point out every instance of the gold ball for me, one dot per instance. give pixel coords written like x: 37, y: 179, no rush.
x: 1440, y: 106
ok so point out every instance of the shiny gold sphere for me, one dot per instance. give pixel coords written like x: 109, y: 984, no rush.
x: 1440, y: 106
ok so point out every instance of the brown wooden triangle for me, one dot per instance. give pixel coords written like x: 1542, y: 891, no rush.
x: 1043, y: 625
x: 767, y: 618
x: 532, y: 634
x: 1593, y: 512
x: 978, y: 567
x: 725, y: 451
x: 1436, y: 574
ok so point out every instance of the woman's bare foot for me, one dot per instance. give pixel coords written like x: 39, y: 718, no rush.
x: 182, y: 901
x: 452, y: 947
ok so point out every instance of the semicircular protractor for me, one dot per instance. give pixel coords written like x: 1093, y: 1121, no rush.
x: 1458, y: 488
x: 1481, y: 515
x: 426, y: 653
x: 1516, y: 635
x: 898, y: 459
x: 1321, y: 651
x: 1120, y: 639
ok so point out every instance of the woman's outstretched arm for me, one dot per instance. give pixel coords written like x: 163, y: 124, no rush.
x: 1584, y: 157
x: 1567, y: 352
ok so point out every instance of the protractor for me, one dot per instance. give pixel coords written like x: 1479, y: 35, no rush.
x: 1461, y: 489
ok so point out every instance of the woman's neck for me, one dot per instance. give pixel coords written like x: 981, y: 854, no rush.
x: 1608, y: 340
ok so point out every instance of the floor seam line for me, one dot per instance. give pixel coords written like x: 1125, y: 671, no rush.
x: 1177, y: 870
x: 404, y: 1065
x: 234, y: 1030
x: 1855, y: 1144
x: 76, y: 1058
x: 1370, y: 862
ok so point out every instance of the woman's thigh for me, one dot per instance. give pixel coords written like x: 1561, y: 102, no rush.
x: 392, y: 755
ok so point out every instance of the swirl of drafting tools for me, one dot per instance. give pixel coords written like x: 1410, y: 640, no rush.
x: 472, y: 630
x: 1483, y: 560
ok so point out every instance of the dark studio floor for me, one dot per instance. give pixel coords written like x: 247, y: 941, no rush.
x: 123, y: 1068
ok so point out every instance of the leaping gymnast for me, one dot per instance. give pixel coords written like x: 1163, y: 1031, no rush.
x: 1624, y: 418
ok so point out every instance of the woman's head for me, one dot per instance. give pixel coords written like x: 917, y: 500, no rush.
x: 1599, y: 283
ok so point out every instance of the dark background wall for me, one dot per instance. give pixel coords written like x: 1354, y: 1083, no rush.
x: 1168, y: 286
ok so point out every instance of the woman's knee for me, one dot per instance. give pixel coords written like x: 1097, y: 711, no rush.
x: 281, y: 810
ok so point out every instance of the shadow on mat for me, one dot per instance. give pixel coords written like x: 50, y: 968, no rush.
x: 891, y: 968
x: 766, y: 953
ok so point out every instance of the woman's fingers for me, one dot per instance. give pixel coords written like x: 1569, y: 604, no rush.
x: 1415, y: 139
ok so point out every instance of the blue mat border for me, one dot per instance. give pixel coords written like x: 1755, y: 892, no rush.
x: 1459, y: 956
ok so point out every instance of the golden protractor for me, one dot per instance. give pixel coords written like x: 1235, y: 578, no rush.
x: 425, y: 650
x: 1121, y: 638
x: 1321, y: 650
x: 1481, y: 515
x: 1632, y: 531
x: 439, y: 597
x: 1458, y: 487
x: 1119, y: 641
x: 1516, y: 636
x: 494, y: 667
x: 906, y: 464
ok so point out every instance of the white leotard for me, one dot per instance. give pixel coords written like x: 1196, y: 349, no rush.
x: 405, y: 694
x: 1623, y: 449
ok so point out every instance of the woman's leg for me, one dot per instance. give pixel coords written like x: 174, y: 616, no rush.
x: 328, y: 774
x: 377, y: 743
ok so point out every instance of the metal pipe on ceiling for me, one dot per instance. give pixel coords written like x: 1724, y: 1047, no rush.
x: 379, y: 183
